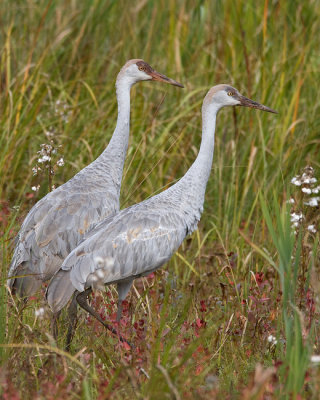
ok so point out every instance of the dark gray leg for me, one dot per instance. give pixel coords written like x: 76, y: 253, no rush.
x: 72, y: 318
x: 83, y: 303
x: 123, y: 289
x: 54, y: 325
x: 119, y: 312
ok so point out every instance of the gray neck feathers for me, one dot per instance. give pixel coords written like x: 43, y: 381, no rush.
x: 119, y: 142
x: 190, y: 190
x: 109, y: 165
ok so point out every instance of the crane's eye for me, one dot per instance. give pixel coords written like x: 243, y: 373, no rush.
x: 230, y: 94
x: 142, y: 68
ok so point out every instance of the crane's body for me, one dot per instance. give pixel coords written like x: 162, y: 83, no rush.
x: 139, y: 240
x: 58, y: 222
x: 143, y: 237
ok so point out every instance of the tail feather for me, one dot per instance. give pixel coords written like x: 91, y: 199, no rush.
x: 60, y: 290
x: 26, y: 285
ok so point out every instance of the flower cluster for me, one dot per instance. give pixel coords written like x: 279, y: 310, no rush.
x: 60, y: 162
x: 47, y: 160
x: 306, y: 178
x: 296, y: 218
x: 305, y: 201
x: 45, y: 153
x: 39, y: 313
x: 62, y: 110
x: 315, y: 359
x: 308, y: 183
x: 272, y: 339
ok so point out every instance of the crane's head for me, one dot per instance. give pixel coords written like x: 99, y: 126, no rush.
x: 226, y: 95
x: 138, y: 70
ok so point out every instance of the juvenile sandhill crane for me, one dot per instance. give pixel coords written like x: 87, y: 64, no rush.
x: 143, y: 237
x: 57, y: 223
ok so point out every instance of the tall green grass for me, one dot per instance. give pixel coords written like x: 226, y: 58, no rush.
x: 71, y: 51
x: 297, y: 348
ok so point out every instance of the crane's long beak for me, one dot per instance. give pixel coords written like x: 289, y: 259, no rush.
x: 156, y: 76
x: 244, y: 101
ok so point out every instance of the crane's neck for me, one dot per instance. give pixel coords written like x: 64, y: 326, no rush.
x: 108, y: 167
x: 199, y: 172
x: 119, y: 142
x: 203, y: 161
x: 192, y: 186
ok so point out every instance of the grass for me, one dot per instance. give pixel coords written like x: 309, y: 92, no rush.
x: 201, y: 324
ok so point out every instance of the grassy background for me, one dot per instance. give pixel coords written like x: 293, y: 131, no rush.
x: 201, y: 323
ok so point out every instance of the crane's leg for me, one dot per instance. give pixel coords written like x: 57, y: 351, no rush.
x: 54, y: 325
x: 72, y: 317
x: 82, y: 299
x: 123, y: 289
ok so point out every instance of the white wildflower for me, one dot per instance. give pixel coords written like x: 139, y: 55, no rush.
x: 60, y: 162
x: 272, y: 339
x: 49, y: 133
x: 34, y: 171
x: 316, y: 189
x: 306, y: 190
x: 315, y: 358
x: 39, y: 313
x: 296, y: 217
x: 44, y: 158
x: 34, y: 188
x: 296, y: 181
x: 312, y: 228
x: 313, y: 202
x: 291, y: 200
x: 313, y: 180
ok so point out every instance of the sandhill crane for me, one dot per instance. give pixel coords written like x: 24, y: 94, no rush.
x: 143, y: 237
x: 57, y: 223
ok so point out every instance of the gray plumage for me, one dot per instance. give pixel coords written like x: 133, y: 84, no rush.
x: 143, y: 237
x: 58, y: 222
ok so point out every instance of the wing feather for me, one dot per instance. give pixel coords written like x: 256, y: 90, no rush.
x: 137, y: 242
x: 54, y: 226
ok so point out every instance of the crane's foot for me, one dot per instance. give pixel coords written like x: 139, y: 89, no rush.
x: 82, y: 299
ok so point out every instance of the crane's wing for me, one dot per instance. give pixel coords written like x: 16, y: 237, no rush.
x: 138, y: 240
x: 55, y: 225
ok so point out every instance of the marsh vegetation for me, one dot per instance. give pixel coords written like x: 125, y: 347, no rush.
x: 235, y: 313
